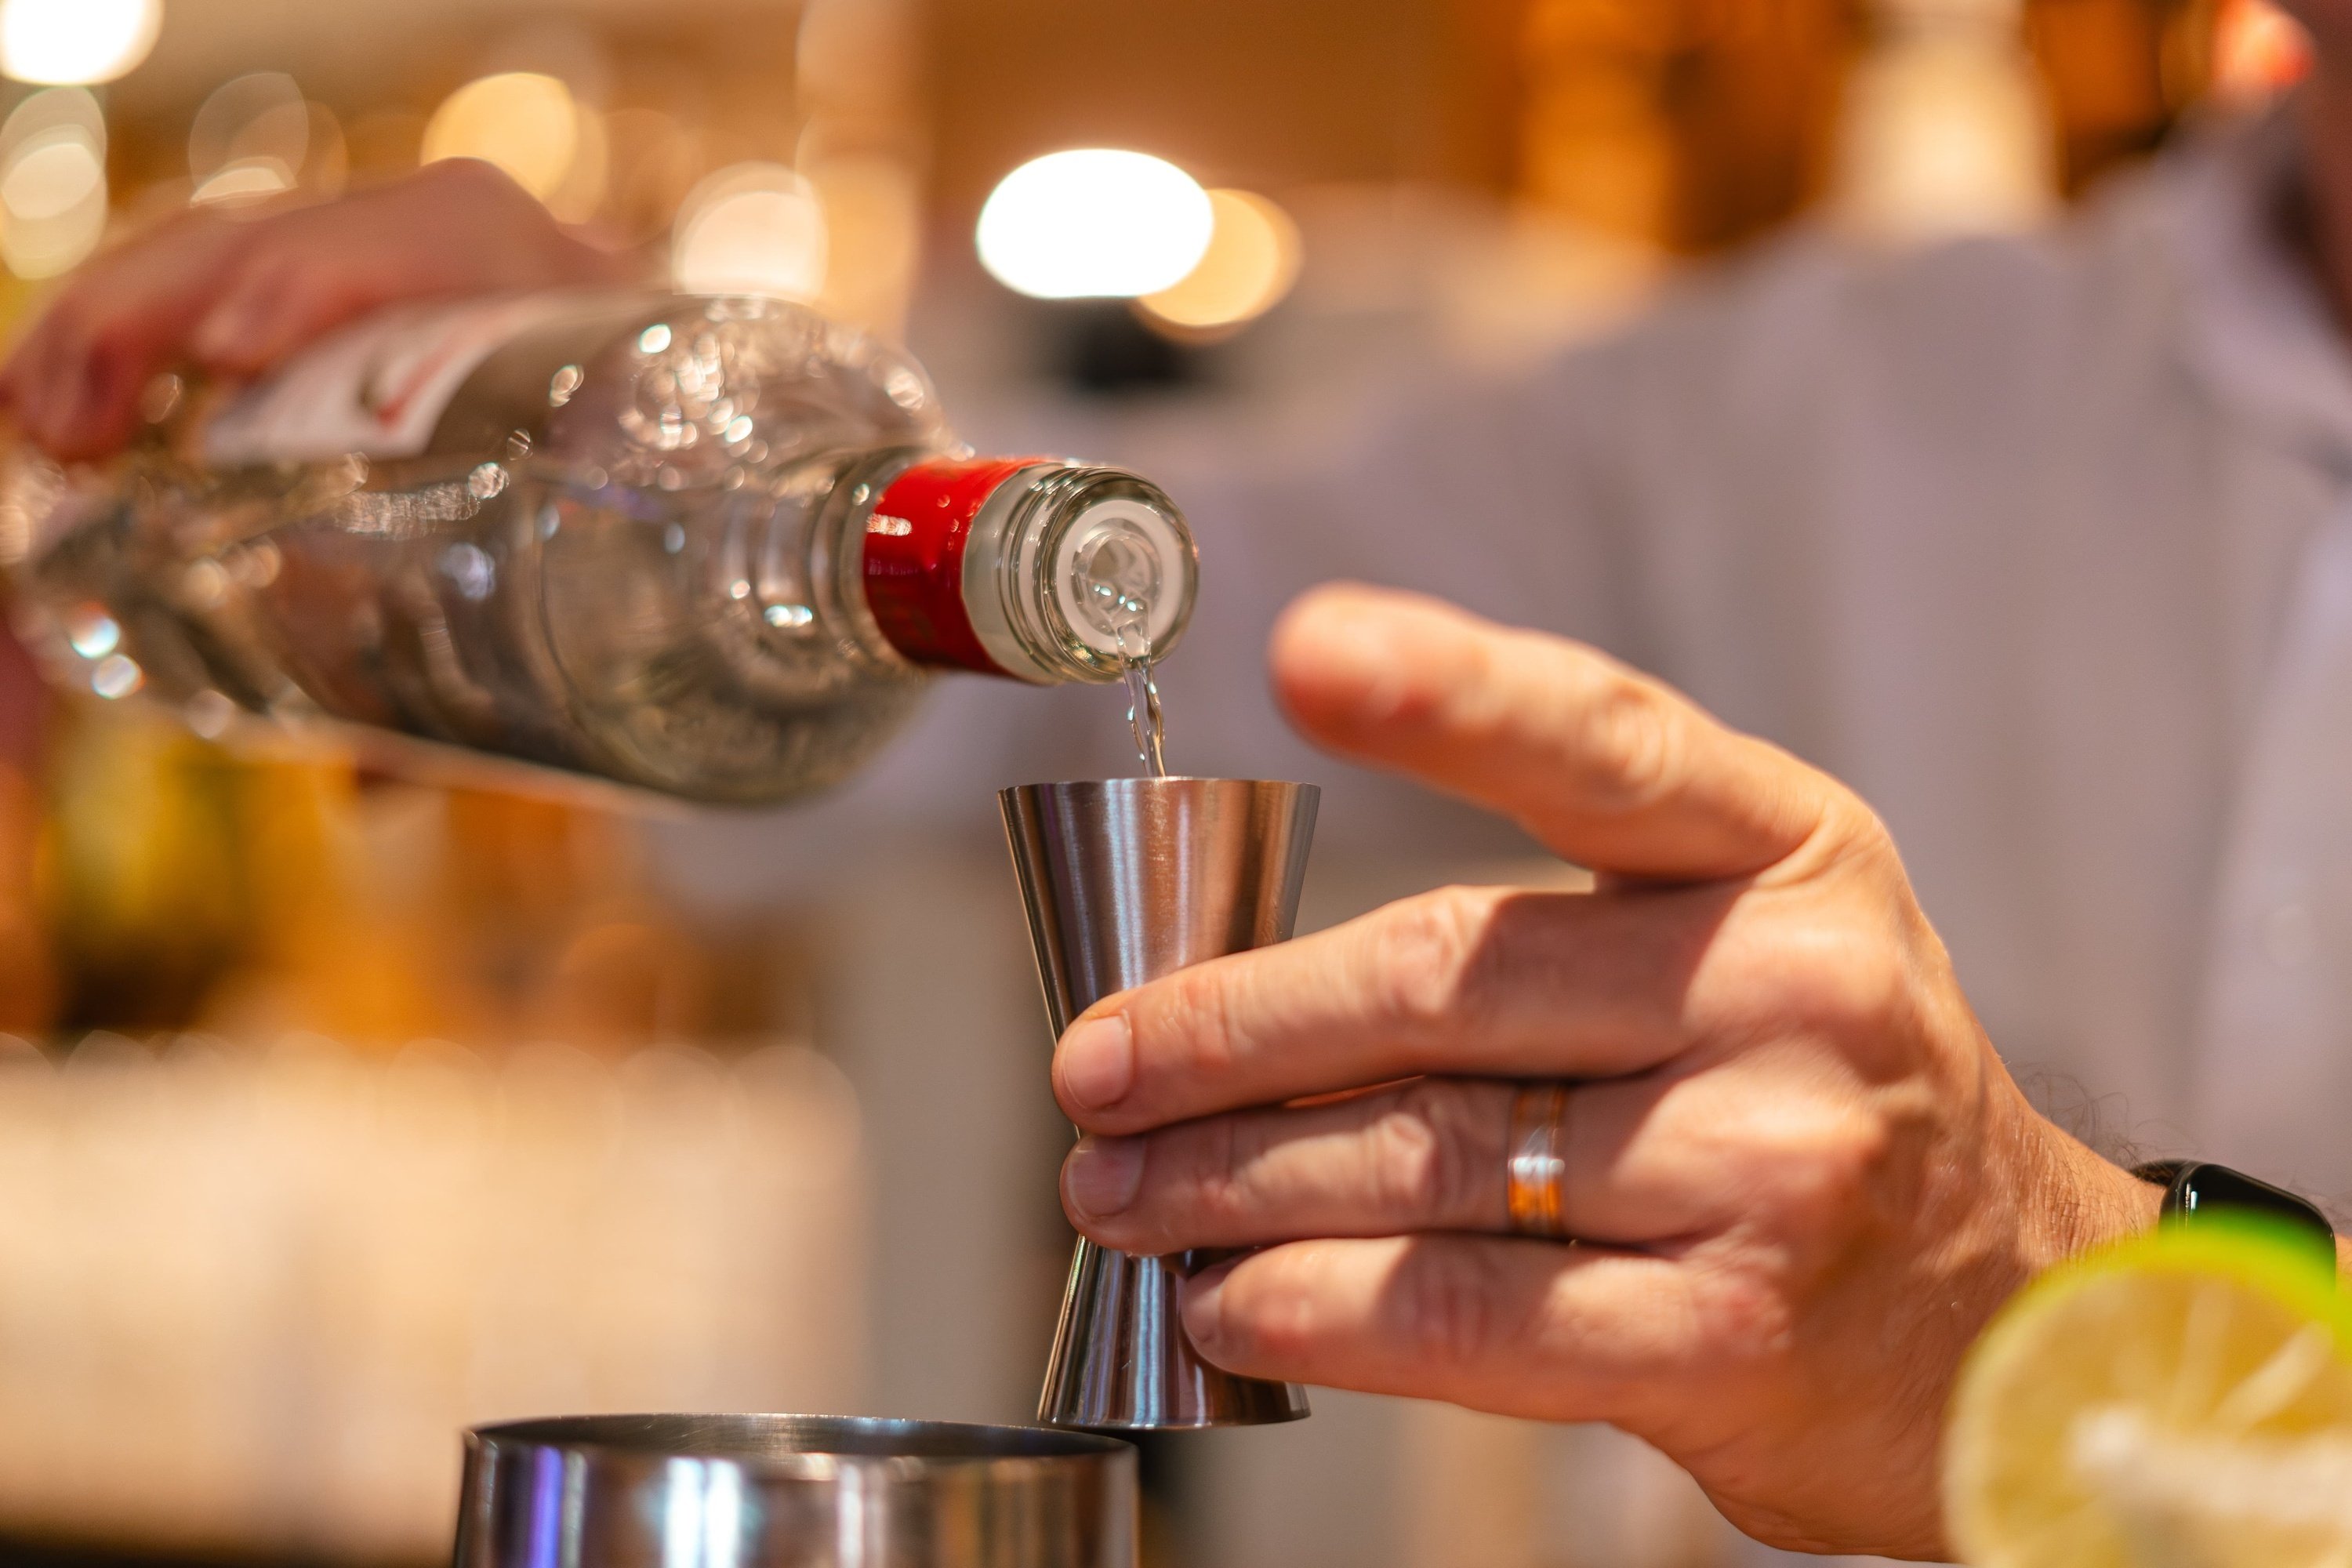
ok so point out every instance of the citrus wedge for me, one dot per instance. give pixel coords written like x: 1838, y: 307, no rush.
x: 2181, y: 1401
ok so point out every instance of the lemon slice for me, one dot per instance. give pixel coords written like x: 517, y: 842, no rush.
x: 2182, y: 1401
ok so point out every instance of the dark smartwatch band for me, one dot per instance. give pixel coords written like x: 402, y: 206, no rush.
x: 2195, y: 1188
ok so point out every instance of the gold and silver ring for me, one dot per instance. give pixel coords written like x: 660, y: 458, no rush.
x: 1534, y: 1163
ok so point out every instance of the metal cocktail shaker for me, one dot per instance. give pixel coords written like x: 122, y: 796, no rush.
x: 791, y: 1491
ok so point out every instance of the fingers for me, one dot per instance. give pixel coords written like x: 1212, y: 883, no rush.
x: 1466, y: 981
x: 1607, y: 767
x: 279, y: 302
x: 236, y: 293
x: 1524, y: 1328
x: 1426, y: 1156
x: 75, y: 380
x: 457, y: 226
x: 1430, y: 1155
x: 1652, y: 1161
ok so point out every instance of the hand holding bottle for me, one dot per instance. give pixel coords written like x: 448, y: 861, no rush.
x: 1798, y: 1177
x: 234, y: 292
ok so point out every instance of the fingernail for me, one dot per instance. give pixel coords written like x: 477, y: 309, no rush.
x: 1102, y: 1176
x: 1097, y: 1062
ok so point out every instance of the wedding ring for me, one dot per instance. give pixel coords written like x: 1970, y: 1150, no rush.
x: 1535, y: 1169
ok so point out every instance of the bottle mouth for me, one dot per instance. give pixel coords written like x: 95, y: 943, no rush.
x: 1098, y: 572
x: 1029, y: 567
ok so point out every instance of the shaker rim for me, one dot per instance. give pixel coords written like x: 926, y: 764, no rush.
x: 785, y: 1444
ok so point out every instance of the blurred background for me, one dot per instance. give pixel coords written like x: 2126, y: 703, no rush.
x: 337, y: 1110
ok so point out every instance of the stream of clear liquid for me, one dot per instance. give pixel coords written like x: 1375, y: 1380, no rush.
x: 1143, y: 714
x: 1117, y: 583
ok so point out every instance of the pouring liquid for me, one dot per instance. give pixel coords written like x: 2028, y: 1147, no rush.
x: 1143, y: 715
x: 1117, y: 586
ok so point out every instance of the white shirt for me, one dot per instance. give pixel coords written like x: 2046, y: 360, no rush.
x: 2043, y: 544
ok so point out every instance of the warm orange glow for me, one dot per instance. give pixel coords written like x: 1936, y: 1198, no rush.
x: 524, y: 122
x: 2259, y: 51
x: 1252, y: 260
x: 751, y: 228
x: 53, y: 196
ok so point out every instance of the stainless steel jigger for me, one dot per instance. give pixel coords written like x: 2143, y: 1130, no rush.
x: 1125, y: 880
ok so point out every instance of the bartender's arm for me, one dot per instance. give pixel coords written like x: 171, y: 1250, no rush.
x: 1799, y: 1176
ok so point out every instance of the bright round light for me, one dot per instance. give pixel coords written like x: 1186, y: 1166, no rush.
x: 2258, y: 52
x: 1251, y: 263
x: 52, y: 181
x: 74, y: 41
x: 1094, y: 224
x: 261, y: 115
x: 754, y: 228
x: 524, y: 122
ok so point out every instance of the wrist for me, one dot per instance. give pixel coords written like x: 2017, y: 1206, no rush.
x: 2086, y: 1201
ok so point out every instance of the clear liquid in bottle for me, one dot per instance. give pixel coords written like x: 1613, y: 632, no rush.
x: 709, y: 546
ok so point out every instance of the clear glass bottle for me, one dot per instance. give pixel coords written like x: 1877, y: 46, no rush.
x: 706, y: 547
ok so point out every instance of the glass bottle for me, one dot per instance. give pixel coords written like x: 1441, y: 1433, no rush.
x: 709, y: 546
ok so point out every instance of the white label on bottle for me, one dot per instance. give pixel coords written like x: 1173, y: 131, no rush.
x: 377, y: 388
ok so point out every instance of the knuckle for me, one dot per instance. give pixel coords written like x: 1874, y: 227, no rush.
x: 1431, y: 957
x: 1222, y: 1159
x: 1742, y: 1313
x: 1841, y: 973
x: 1632, y: 741
x: 277, y: 261
x: 1447, y: 1316
x: 1422, y: 1159
x: 464, y: 174
x: 1819, y: 1170
x: 292, y: 275
x: 1866, y: 982
x: 1192, y: 1028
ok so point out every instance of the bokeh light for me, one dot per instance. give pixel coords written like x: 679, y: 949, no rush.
x: 526, y: 123
x: 52, y: 181
x: 249, y: 138
x: 581, y: 191
x: 1094, y: 223
x: 2259, y: 51
x: 70, y: 42
x: 753, y: 228
x: 51, y: 178
x: 873, y: 206
x: 1252, y: 260
x: 247, y: 179
x: 1946, y: 131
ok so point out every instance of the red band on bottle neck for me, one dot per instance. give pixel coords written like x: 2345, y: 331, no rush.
x: 914, y: 559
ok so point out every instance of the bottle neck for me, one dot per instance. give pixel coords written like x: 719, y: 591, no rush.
x: 1027, y: 567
